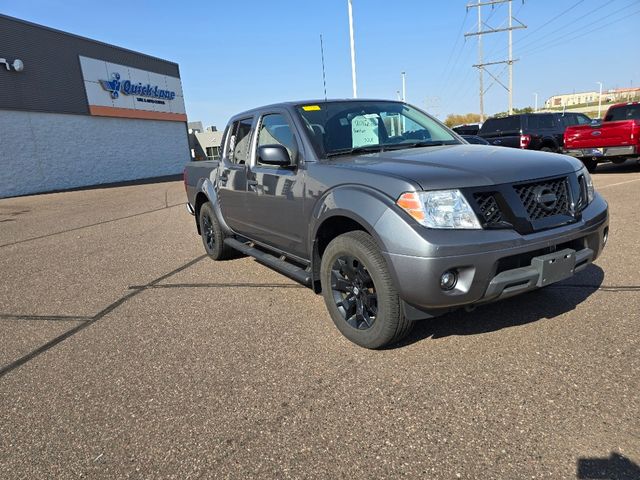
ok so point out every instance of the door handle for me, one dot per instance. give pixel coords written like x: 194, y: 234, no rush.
x: 253, y: 185
x: 497, y: 142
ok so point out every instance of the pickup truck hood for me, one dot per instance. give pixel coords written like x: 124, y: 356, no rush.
x: 608, y: 134
x: 461, y: 166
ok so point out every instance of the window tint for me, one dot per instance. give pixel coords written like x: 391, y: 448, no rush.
x: 505, y: 124
x: 544, y: 121
x: 238, y: 146
x: 583, y: 119
x: 626, y: 112
x: 276, y: 130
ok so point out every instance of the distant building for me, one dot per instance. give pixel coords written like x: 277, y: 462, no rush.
x: 204, y: 143
x: 77, y: 112
x: 591, y: 97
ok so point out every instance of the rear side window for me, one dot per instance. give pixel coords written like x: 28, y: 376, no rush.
x: 238, y: 145
x: 499, y: 125
x: 569, y: 119
x: 583, y: 119
x: 537, y: 122
x: 626, y: 112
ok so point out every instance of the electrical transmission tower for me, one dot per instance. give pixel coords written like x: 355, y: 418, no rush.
x: 481, y: 66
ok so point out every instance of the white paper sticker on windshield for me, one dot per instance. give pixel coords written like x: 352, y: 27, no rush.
x: 364, y: 130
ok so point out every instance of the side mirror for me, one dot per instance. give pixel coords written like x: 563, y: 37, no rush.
x: 276, y: 155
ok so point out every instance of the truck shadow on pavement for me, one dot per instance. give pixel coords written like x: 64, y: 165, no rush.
x: 616, y: 467
x: 630, y: 166
x: 548, y: 302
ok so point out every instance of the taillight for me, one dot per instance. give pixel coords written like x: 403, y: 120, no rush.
x: 525, y: 140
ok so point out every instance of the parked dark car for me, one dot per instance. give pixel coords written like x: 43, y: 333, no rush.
x: 389, y: 214
x: 467, y: 129
x: 475, y: 140
x: 531, y: 131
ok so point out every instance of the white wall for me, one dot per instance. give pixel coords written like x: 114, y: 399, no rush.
x: 45, y: 151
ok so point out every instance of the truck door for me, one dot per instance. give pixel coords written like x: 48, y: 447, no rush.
x: 275, y: 194
x: 232, y: 178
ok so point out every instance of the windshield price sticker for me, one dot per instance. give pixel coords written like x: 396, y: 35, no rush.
x: 311, y: 108
x: 364, y: 130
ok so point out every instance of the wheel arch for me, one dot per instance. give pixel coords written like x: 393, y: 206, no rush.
x: 206, y: 192
x: 341, y: 210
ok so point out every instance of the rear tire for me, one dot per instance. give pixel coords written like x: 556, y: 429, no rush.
x: 590, y: 163
x: 212, y: 234
x: 359, y: 293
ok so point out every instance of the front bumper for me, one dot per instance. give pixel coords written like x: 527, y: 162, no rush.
x: 497, y: 265
x: 622, y: 151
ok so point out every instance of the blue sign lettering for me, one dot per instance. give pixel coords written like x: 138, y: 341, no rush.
x: 115, y: 87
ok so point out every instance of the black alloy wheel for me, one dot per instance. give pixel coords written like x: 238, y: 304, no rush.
x: 207, y: 231
x: 359, y: 293
x: 354, y: 292
x: 212, y: 234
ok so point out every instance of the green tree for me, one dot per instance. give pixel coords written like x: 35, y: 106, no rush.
x: 515, y: 112
x: 461, y: 119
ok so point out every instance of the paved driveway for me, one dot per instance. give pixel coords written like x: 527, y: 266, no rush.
x: 126, y: 353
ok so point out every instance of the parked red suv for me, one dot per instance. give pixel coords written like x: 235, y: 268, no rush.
x: 616, y: 139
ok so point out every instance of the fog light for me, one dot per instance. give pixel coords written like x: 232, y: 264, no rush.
x: 448, y: 280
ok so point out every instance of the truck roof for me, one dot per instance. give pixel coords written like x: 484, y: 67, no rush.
x: 622, y: 104
x: 313, y: 102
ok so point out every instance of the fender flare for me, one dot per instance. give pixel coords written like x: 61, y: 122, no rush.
x: 208, y: 187
x: 361, y: 204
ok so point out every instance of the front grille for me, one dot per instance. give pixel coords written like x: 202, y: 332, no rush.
x: 489, y: 208
x: 533, y: 195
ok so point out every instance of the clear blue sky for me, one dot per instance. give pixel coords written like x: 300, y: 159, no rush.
x: 236, y: 55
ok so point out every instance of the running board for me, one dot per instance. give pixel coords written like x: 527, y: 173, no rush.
x: 298, y: 274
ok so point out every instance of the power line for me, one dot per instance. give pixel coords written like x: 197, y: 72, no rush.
x: 555, y: 41
x: 573, y: 22
x: 546, y: 24
x: 447, y: 73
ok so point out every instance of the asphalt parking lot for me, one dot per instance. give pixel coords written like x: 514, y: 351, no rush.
x: 127, y: 353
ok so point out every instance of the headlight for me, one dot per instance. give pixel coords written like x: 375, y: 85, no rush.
x: 439, y: 209
x: 588, y: 183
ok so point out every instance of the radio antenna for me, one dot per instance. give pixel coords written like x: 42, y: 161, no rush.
x: 324, y: 80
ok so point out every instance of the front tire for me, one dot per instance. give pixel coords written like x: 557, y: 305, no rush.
x: 359, y: 293
x: 212, y: 234
x: 590, y: 163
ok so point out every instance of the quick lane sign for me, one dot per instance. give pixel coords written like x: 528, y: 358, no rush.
x: 115, y: 87
x: 116, y: 90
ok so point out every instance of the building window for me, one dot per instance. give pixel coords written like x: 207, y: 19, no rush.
x: 213, y: 153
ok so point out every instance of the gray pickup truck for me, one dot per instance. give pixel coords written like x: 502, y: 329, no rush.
x: 389, y: 214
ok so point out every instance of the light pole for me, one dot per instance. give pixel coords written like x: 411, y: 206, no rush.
x: 404, y: 88
x: 353, y: 52
x: 599, y: 99
x: 536, y: 95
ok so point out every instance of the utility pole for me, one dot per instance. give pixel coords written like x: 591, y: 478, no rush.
x: 599, y: 99
x: 510, y: 58
x: 353, y: 52
x: 404, y: 88
x: 481, y: 65
x: 480, y: 70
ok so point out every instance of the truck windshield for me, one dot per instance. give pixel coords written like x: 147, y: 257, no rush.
x: 337, y: 128
x: 626, y: 112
